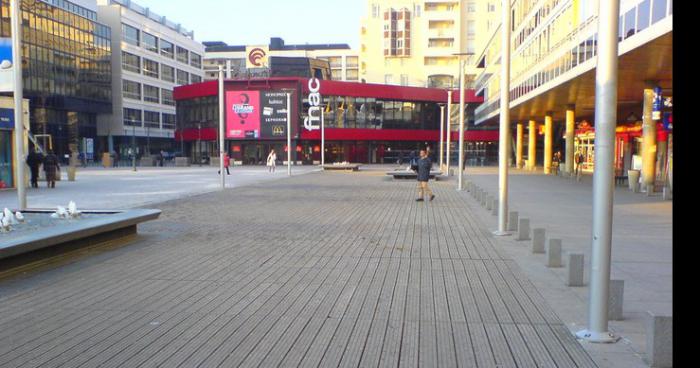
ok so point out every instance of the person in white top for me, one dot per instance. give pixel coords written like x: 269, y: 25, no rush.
x: 272, y: 161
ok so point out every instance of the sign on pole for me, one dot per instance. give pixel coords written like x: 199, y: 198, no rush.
x: 6, y: 69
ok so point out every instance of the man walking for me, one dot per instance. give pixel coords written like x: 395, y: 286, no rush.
x: 50, y: 168
x: 34, y: 160
x: 424, y: 166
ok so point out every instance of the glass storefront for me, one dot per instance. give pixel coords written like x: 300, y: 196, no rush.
x: 6, y: 178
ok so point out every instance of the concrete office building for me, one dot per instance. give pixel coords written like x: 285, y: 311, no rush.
x: 151, y: 55
x: 552, y: 96
x: 237, y: 65
x: 414, y: 43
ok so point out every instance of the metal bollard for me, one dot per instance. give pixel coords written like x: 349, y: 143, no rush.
x: 615, y: 299
x: 554, y: 253
x: 484, y: 198
x: 494, y: 207
x: 523, y: 229
x: 659, y: 340
x: 667, y: 194
x: 489, y: 203
x: 538, y: 239
x: 575, y: 268
x: 513, y: 221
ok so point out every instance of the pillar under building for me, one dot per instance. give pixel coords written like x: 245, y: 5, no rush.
x: 570, y: 127
x: 648, y: 141
x: 532, y: 145
x: 548, y: 143
x: 519, y: 146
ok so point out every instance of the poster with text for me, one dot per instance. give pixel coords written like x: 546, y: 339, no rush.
x: 243, y: 114
x: 273, y: 114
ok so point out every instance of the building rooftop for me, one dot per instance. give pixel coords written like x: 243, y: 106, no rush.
x: 146, y: 12
x: 276, y: 43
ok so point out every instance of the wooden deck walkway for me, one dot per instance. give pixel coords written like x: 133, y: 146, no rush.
x: 321, y: 270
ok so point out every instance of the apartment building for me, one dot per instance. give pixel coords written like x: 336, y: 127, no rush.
x: 343, y: 60
x: 151, y: 55
x: 418, y: 43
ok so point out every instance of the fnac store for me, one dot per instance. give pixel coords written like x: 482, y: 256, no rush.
x: 364, y: 123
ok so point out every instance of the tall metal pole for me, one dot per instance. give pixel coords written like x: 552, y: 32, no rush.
x: 133, y: 147
x: 504, y: 129
x: 222, y: 138
x: 460, y: 182
x: 603, y: 175
x: 442, y: 136
x: 323, y: 138
x: 449, y: 130
x: 18, y: 94
x: 289, y: 134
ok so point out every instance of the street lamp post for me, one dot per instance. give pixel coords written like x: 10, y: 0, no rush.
x: 289, y: 134
x: 460, y: 181
x: 442, y: 134
x: 504, y: 128
x: 18, y: 97
x: 449, y: 131
x: 199, y: 143
x: 605, y: 119
x: 222, y: 138
x: 133, y: 147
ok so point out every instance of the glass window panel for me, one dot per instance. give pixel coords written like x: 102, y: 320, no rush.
x: 150, y: 42
x: 131, y: 62
x: 196, y: 60
x: 630, y: 19
x: 130, y: 34
x: 167, y: 49
x: 183, y: 55
x: 131, y: 90
x: 151, y: 94
x: 167, y: 97
x: 167, y: 73
x: 150, y: 68
x: 183, y: 77
x: 658, y: 10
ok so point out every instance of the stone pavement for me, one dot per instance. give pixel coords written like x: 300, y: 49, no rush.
x: 121, y: 188
x: 320, y: 270
x: 641, y: 252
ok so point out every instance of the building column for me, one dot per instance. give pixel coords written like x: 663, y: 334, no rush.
x: 519, y: 146
x: 532, y: 145
x: 548, y: 143
x: 570, y: 127
x: 648, y: 142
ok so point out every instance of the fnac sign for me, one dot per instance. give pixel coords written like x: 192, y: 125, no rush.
x: 313, y: 121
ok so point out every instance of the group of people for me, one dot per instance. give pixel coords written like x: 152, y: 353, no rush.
x: 51, y: 167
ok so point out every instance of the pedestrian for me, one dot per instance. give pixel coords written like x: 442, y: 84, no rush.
x: 115, y: 163
x: 34, y: 160
x: 51, y: 168
x: 424, y: 165
x: 579, y: 163
x: 227, y: 163
x: 272, y: 160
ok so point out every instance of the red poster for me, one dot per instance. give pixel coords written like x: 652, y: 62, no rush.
x: 242, y: 114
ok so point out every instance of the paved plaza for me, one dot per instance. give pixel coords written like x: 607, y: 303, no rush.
x: 120, y: 188
x: 325, y: 269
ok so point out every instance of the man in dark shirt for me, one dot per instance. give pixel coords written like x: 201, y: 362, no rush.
x: 34, y: 160
x: 424, y: 166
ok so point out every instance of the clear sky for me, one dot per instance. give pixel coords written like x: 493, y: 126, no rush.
x: 239, y: 22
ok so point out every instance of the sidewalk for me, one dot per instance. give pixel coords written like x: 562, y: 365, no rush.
x: 321, y: 270
x: 641, y: 251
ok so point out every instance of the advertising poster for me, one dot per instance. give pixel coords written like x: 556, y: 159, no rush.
x: 7, y: 81
x: 243, y: 114
x: 273, y: 114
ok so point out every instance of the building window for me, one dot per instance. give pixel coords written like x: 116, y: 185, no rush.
x: 404, y: 79
x: 167, y: 73
x: 658, y: 10
x: 183, y: 55
x: 196, y: 60
x: 375, y: 11
x: 183, y: 77
x: 131, y: 90
x: 130, y: 34
x: 351, y: 61
x: 167, y: 49
x: 151, y: 119
x: 151, y: 94
x: 150, y: 68
x: 150, y: 42
x: 167, y: 97
x: 131, y: 62
x: 169, y: 121
x: 491, y: 7
x: 416, y: 10
x: 195, y: 79
x: 388, y: 79
x: 352, y: 74
x: 471, y: 7
x: 132, y: 117
x: 471, y: 28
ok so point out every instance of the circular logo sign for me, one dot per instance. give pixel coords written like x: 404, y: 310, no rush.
x: 256, y: 55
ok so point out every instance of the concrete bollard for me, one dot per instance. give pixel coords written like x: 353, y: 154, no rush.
x: 494, y: 207
x: 659, y: 340
x: 513, y: 221
x: 575, y: 268
x: 615, y: 299
x: 489, y: 202
x: 667, y: 194
x: 554, y: 253
x: 523, y: 229
x: 469, y: 186
x: 476, y: 192
x: 484, y: 199
x: 538, y: 238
